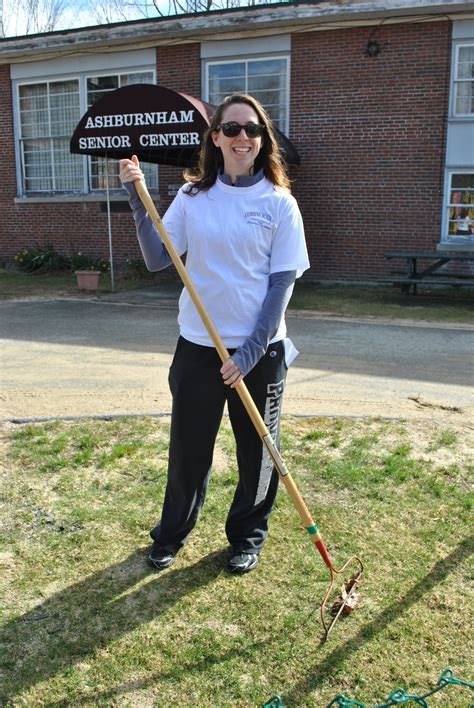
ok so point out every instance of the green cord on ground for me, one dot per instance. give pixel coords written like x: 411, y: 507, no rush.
x: 274, y: 702
x: 396, y: 698
x: 400, y: 696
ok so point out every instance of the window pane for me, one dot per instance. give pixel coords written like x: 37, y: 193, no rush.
x: 225, y: 86
x: 465, y: 97
x: 225, y: 79
x: 59, y: 87
x: 464, y: 85
x: 268, y: 98
x: 140, y: 77
x: 98, y: 87
x: 33, y: 97
x: 37, y: 165
x: 463, y: 181
x: 269, y: 81
x: 265, y: 79
x: 35, y: 124
x: 466, y: 63
x: 233, y: 70
x: 461, y: 222
x: 67, y: 168
x: 48, y: 110
x: 102, y: 83
x: 151, y: 175
x: 267, y: 66
x: 99, y: 175
x: 33, y: 91
x: 65, y: 113
x: 34, y: 116
x: 461, y: 206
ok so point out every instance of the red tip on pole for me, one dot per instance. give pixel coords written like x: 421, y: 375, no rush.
x: 324, y: 552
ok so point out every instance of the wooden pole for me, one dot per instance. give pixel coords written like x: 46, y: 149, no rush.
x: 241, y: 388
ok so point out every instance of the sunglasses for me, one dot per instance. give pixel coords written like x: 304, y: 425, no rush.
x: 232, y: 129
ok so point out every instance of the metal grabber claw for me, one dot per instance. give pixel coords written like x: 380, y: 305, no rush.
x: 348, y: 594
x: 347, y: 599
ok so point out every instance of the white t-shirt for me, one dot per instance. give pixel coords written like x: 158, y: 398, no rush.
x: 234, y: 238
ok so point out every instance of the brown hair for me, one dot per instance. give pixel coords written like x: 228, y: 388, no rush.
x: 210, y: 157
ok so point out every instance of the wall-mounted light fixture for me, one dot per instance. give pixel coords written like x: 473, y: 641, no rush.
x: 373, y: 48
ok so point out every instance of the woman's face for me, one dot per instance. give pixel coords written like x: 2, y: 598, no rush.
x: 240, y: 152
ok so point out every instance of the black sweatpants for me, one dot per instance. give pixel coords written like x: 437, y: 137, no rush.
x: 199, y: 395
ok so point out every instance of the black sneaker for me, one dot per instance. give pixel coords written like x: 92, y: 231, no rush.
x: 242, y: 562
x: 160, y: 558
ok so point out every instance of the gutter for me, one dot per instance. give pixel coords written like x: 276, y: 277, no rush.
x: 214, y: 25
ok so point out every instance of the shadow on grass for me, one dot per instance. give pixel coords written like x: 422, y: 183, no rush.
x: 315, y: 674
x: 104, y: 590
x: 84, y: 618
x: 184, y: 670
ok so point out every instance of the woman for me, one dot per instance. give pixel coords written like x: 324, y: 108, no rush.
x: 243, y: 235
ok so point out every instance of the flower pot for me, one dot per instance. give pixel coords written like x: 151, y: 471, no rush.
x: 88, y: 279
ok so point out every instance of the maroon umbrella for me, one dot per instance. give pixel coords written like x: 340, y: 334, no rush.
x: 153, y: 122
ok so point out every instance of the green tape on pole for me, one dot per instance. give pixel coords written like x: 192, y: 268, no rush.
x: 312, y: 529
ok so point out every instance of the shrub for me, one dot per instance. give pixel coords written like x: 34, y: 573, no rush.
x: 102, y: 264
x: 137, y: 267
x: 40, y: 259
x: 80, y: 261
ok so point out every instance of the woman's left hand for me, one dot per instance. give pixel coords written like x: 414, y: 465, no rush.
x: 231, y: 374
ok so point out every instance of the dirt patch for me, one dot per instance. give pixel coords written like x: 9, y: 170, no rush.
x: 83, y: 357
x: 447, y: 446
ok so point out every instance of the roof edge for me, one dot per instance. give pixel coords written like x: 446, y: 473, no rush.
x: 217, y: 24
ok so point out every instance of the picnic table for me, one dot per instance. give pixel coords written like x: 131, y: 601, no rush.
x: 428, y: 275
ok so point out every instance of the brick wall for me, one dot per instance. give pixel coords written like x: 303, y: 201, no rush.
x: 371, y: 134
x: 73, y: 226
x: 81, y: 226
x: 178, y: 68
x: 8, y: 190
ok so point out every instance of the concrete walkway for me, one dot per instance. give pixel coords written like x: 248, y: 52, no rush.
x: 111, y: 354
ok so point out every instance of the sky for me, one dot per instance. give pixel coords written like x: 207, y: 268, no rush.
x: 78, y: 13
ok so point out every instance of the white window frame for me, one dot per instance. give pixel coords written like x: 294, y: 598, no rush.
x: 20, y: 141
x: 454, y: 239
x: 81, y: 77
x: 250, y: 58
x: 96, y: 75
x: 456, y: 81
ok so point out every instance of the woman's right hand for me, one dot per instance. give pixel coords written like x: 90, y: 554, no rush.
x: 130, y: 170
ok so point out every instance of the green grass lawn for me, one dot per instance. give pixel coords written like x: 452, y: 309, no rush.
x: 452, y: 304
x: 15, y: 284
x: 87, y: 623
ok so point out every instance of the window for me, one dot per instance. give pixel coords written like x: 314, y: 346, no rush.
x: 49, y: 111
x: 97, y: 87
x: 461, y: 206
x: 265, y: 79
x: 464, y: 81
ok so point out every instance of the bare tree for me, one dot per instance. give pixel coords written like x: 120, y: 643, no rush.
x: 32, y: 16
x: 117, y: 10
x: 107, y: 11
x: 44, y: 14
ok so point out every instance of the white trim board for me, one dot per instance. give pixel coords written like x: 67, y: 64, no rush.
x: 90, y: 63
